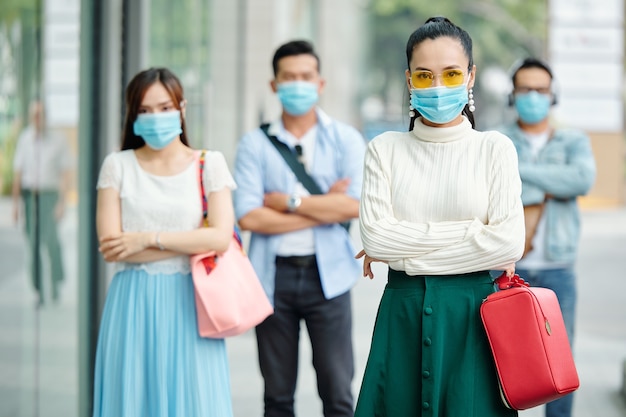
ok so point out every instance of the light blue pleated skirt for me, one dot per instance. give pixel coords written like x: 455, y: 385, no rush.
x: 150, y: 360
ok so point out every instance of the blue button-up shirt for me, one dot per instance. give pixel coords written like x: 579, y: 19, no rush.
x: 259, y: 169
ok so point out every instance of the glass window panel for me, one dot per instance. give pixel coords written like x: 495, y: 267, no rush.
x: 38, y: 145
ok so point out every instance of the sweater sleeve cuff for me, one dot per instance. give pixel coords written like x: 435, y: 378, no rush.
x: 474, y: 228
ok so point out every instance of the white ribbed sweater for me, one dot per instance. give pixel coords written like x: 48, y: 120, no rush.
x: 441, y: 201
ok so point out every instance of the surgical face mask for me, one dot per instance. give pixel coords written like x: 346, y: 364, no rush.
x: 439, y: 104
x: 532, y: 107
x: 297, y: 97
x: 158, y: 129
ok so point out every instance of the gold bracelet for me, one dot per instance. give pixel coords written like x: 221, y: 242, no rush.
x: 158, y: 242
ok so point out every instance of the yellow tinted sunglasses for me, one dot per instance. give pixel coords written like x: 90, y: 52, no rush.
x: 426, y: 79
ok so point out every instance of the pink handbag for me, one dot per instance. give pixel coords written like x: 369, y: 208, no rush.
x: 229, y: 297
x: 529, y: 343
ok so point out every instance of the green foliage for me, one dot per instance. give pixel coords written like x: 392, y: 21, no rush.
x: 502, y: 32
x: 179, y: 34
x: 11, y: 10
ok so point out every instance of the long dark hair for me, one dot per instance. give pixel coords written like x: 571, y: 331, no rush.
x: 436, y: 27
x: 135, y: 91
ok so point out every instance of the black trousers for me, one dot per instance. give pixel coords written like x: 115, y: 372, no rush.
x: 298, y: 296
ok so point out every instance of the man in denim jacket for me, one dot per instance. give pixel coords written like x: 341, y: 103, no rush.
x: 556, y: 166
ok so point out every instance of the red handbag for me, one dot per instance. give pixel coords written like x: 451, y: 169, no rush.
x: 229, y: 297
x: 529, y: 343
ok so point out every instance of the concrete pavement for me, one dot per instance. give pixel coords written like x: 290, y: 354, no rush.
x: 38, y: 346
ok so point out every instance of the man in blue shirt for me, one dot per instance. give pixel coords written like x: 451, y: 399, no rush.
x: 556, y: 166
x: 299, y: 247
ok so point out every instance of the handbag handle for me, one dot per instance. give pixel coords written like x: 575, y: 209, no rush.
x: 504, y: 282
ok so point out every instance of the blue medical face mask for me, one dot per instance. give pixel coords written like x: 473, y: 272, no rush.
x: 297, y: 97
x: 532, y: 107
x: 439, y: 104
x: 158, y: 129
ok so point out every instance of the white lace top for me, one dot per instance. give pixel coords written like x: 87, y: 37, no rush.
x: 161, y: 203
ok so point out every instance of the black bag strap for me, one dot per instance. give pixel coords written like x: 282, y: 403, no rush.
x: 296, y: 166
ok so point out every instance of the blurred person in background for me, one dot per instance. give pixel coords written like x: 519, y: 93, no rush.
x: 299, y: 247
x: 42, y: 167
x: 556, y: 166
x: 441, y: 206
x: 150, y: 359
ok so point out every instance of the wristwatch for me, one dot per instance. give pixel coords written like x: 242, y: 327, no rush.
x: 293, y: 202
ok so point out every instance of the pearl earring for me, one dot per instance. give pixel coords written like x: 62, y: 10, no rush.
x: 411, y: 111
x: 471, y: 100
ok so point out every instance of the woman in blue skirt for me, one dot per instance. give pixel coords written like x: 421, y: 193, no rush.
x: 441, y: 206
x: 150, y: 360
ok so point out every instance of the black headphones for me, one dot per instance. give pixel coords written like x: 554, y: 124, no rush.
x: 531, y: 63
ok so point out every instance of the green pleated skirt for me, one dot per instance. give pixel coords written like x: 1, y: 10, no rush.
x: 429, y: 353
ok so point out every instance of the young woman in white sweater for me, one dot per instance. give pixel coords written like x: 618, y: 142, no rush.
x: 441, y: 206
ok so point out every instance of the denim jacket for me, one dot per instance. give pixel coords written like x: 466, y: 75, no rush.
x: 564, y: 169
x: 259, y: 169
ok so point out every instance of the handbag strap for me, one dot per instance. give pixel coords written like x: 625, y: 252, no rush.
x: 205, y: 205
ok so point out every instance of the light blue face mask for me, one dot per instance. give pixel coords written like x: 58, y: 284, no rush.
x: 532, y: 107
x: 439, y: 104
x: 158, y: 129
x: 297, y: 97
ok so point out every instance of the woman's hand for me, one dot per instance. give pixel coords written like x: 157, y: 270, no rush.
x: 116, y: 248
x: 367, y: 261
x: 509, y: 270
